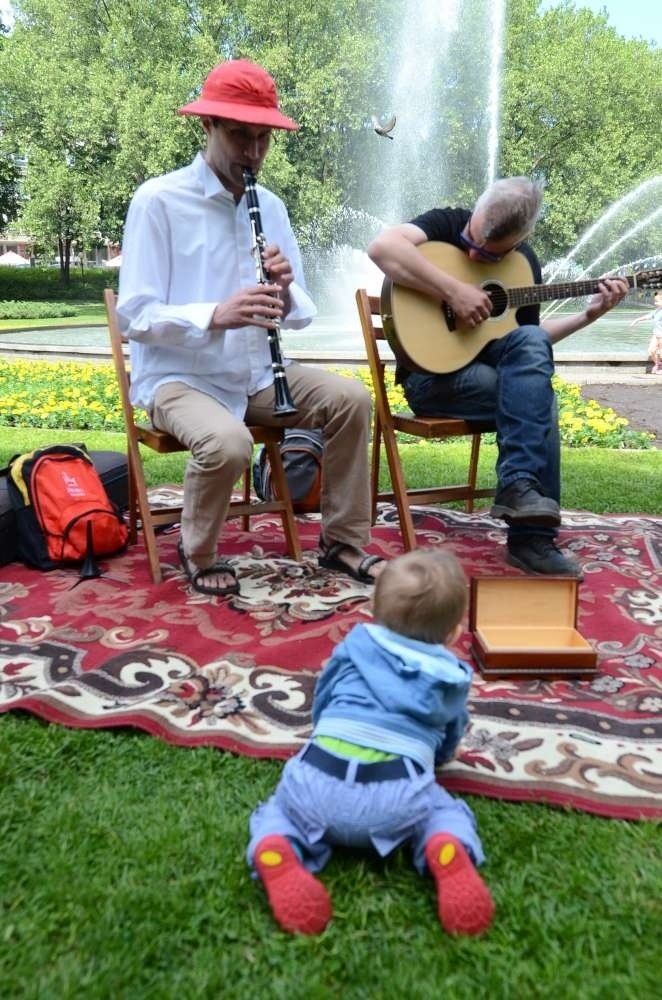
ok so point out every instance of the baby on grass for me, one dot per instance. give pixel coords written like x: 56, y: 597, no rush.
x: 389, y: 706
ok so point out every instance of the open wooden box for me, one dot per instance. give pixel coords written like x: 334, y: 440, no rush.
x: 527, y: 627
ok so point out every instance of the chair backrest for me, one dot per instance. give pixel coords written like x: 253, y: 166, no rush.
x: 373, y: 332
x: 370, y: 310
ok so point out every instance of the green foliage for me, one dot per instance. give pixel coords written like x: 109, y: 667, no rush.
x: 579, y: 105
x: 36, y: 284
x: 9, y: 185
x: 92, y: 92
x: 35, y: 310
x: 82, y: 396
x: 89, y: 91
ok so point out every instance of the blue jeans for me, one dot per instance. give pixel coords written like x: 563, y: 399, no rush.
x: 509, y: 382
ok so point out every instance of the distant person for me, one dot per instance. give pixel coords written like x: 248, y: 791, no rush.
x: 197, y: 319
x: 389, y: 706
x: 654, y: 352
x: 510, y: 379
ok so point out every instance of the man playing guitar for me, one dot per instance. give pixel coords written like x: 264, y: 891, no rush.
x: 509, y: 379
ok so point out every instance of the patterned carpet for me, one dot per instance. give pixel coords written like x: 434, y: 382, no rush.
x: 239, y: 673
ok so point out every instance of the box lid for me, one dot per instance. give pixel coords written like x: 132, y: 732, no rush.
x: 545, y: 601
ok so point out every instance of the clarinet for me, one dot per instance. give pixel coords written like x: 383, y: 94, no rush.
x: 283, y: 404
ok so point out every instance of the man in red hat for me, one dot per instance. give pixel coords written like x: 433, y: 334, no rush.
x: 196, y: 319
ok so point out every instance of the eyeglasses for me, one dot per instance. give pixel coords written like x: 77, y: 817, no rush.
x: 469, y: 244
x: 244, y: 135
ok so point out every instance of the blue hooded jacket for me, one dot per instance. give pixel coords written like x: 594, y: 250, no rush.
x: 399, y: 695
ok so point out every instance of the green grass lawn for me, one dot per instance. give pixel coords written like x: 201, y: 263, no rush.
x: 122, y: 872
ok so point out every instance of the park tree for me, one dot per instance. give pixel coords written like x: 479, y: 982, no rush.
x: 9, y: 185
x: 90, y: 90
x: 53, y: 117
x: 95, y: 87
x: 9, y: 163
x: 581, y: 112
x: 61, y: 204
x: 326, y: 59
x: 90, y: 93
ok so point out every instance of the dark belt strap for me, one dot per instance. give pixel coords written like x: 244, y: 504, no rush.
x: 337, y: 767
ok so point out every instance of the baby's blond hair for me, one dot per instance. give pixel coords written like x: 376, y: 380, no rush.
x: 421, y: 595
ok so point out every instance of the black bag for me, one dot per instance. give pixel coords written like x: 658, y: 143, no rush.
x: 62, y: 508
x: 301, y: 451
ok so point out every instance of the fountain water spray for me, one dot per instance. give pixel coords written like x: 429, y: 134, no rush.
x: 580, y: 271
x: 648, y: 186
x: 626, y: 236
x: 498, y: 17
x: 446, y: 75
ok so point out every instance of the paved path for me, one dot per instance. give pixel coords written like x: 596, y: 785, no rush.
x: 637, y: 397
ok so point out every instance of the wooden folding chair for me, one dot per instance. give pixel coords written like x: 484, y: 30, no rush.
x: 387, y: 423
x: 152, y: 515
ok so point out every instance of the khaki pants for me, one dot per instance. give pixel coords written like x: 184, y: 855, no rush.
x: 221, y: 448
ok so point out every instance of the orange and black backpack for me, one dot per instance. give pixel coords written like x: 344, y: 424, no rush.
x: 62, y: 508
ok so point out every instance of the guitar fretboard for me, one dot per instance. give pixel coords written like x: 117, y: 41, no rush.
x: 532, y: 294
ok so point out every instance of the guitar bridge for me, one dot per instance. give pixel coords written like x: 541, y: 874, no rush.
x: 449, y: 315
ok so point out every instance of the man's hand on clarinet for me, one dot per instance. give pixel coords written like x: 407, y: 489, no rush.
x: 278, y: 267
x: 259, y: 305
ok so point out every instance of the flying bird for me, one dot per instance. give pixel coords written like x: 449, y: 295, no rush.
x: 383, y: 129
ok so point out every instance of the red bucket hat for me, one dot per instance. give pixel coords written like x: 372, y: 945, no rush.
x: 241, y: 90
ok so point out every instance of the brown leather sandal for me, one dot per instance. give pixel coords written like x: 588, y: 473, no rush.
x: 196, y: 576
x: 329, y: 558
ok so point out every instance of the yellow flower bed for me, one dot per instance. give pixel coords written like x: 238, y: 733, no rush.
x: 587, y: 423
x: 84, y: 396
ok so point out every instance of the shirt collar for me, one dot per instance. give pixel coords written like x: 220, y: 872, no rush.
x: 211, y: 185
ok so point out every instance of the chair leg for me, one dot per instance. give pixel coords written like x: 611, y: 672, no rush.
x: 374, y: 467
x: 132, y: 500
x: 246, y: 518
x: 399, y: 489
x: 473, y: 471
x: 143, y: 509
x: 282, y: 490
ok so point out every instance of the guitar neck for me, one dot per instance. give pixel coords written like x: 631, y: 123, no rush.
x: 533, y: 294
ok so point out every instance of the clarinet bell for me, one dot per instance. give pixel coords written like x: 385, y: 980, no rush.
x: 283, y: 402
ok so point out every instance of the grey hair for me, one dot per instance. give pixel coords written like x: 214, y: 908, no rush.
x: 510, y: 207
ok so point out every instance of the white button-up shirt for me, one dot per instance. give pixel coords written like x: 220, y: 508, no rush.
x: 187, y: 246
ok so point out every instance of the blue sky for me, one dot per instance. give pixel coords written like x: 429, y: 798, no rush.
x: 630, y: 18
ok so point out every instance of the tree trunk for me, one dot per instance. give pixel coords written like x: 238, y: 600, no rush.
x: 64, y: 246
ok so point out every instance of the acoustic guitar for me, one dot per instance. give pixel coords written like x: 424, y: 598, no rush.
x: 426, y: 336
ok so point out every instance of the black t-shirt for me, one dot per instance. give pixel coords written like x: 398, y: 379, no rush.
x: 446, y: 224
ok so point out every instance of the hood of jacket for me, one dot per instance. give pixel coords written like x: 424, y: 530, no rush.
x: 380, y: 672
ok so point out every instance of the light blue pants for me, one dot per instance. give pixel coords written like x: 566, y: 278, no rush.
x: 317, y: 811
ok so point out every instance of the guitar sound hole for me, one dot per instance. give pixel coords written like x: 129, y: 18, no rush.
x: 499, y: 297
